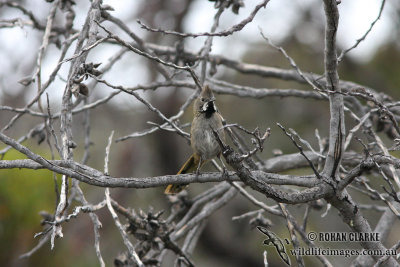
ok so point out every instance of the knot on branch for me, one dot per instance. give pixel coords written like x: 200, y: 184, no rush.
x: 88, y: 68
x: 236, y: 4
x: 149, y: 228
x: 153, y: 233
x: 367, y: 164
x: 84, y: 72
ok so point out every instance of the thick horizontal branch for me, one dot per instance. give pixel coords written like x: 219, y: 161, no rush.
x: 258, y: 180
x: 99, y: 179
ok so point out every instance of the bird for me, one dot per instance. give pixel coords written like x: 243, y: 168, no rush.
x: 205, y: 146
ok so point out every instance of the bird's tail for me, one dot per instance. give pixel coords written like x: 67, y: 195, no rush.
x: 190, y: 166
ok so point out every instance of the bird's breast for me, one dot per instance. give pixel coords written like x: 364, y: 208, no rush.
x: 203, y: 140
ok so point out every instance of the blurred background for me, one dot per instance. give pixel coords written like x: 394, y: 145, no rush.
x: 298, y: 26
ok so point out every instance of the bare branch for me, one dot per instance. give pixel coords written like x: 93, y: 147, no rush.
x: 233, y: 29
x: 132, y: 253
x: 337, y: 123
x: 301, y: 151
x: 177, y: 72
x: 358, y: 41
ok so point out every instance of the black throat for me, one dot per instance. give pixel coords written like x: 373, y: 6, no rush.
x: 210, y: 109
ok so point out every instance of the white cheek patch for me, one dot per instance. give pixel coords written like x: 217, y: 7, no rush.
x: 204, y: 107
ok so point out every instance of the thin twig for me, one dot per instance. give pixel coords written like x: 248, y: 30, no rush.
x: 358, y: 41
x: 132, y: 253
x: 233, y: 29
x: 301, y: 151
x: 106, y: 170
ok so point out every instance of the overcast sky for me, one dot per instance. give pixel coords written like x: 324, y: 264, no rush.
x: 19, y: 46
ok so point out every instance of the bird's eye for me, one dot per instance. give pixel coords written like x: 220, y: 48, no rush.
x: 202, y: 99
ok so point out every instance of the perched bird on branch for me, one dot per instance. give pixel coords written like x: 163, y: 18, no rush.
x: 206, y: 121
